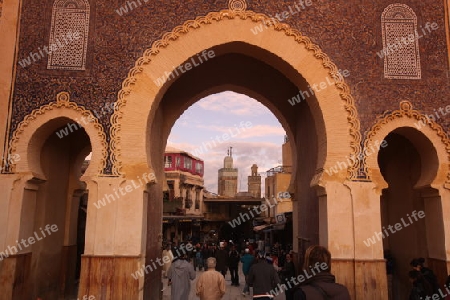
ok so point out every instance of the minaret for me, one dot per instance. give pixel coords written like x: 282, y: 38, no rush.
x: 228, y: 177
x: 254, y: 182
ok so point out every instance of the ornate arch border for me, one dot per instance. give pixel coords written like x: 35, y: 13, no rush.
x: 409, y: 115
x: 32, y: 122
x: 212, y: 18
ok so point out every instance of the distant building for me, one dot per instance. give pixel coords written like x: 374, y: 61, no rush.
x: 277, y: 192
x: 231, y: 214
x: 231, y: 217
x: 183, y: 195
x: 254, y: 182
x: 228, y: 177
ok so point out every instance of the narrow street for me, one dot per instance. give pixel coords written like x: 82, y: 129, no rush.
x: 232, y: 292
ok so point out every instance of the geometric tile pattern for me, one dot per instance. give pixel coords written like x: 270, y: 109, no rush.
x: 69, y: 35
x: 400, y: 43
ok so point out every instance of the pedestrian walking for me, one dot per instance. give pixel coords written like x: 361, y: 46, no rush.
x: 199, y: 260
x: 233, y: 263
x: 287, y: 273
x: 260, y: 245
x: 180, y: 274
x: 275, y: 250
x: 321, y: 283
x: 263, y: 278
x: 167, y: 262
x: 247, y: 261
x: 205, y: 256
x: 222, y: 259
x: 211, y: 284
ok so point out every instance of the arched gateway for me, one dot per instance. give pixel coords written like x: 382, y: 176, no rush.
x: 336, y: 206
x: 272, y: 67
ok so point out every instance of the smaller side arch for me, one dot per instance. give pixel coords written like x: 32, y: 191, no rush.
x: 406, y: 119
x: 31, y: 133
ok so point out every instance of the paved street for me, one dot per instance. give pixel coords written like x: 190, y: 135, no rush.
x: 232, y: 292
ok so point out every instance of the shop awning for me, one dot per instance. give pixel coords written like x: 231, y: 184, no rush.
x: 261, y: 227
x: 190, y: 217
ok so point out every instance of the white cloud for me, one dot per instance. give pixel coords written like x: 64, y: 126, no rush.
x: 242, y: 132
x: 232, y: 103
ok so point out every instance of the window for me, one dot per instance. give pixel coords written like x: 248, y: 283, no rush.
x: 188, y: 199
x: 168, y: 161
x: 177, y: 162
x: 69, y: 35
x: 171, y: 191
x: 199, y: 167
x: 187, y: 163
x: 197, y: 199
x: 400, y: 43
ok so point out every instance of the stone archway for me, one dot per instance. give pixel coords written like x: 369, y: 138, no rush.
x: 425, y: 188
x: 406, y: 116
x: 41, y: 190
x: 27, y: 131
x: 335, y: 112
x: 138, y: 116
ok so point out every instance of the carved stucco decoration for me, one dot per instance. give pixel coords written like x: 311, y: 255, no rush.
x: 237, y: 5
x: 406, y: 110
x: 62, y: 101
x: 210, y: 18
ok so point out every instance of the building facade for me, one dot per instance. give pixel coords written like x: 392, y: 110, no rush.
x: 361, y: 88
x: 278, y: 194
x: 183, y: 196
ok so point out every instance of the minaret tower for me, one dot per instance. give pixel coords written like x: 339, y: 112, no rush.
x: 254, y: 182
x: 228, y: 177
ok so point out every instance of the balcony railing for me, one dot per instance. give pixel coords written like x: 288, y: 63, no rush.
x: 279, y: 169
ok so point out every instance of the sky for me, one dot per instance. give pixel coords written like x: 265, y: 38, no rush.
x: 228, y: 119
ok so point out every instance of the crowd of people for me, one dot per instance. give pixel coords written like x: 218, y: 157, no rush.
x: 269, y: 271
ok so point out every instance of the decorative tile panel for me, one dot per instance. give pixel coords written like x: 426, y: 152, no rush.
x: 400, y: 43
x: 69, y: 35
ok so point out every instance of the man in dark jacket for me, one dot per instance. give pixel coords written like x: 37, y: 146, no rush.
x: 321, y: 283
x: 418, y: 265
x: 233, y: 262
x: 287, y: 273
x: 263, y: 278
x: 222, y: 260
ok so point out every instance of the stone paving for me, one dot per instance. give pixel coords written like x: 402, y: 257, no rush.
x: 232, y: 292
